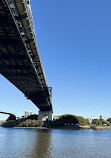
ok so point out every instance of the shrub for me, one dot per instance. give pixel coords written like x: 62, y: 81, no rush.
x: 82, y: 121
x: 31, y: 123
x: 55, y: 123
x: 97, y: 122
x: 10, y: 123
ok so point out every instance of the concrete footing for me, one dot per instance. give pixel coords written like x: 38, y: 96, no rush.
x: 44, y: 114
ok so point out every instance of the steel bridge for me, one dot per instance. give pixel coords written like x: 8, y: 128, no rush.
x: 20, y: 60
x: 7, y: 113
x: 11, y: 116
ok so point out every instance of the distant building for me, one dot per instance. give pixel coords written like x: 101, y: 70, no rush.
x: 90, y: 120
x: 28, y: 113
x: 57, y: 117
x: 100, y: 117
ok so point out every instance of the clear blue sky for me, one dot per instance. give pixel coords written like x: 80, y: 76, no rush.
x: 74, y: 40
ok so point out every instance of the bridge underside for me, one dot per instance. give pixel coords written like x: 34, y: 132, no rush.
x: 16, y: 64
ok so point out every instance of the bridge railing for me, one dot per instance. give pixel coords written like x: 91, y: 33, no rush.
x: 30, y: 18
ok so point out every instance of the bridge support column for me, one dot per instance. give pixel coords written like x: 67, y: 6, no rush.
x: 43, y: 114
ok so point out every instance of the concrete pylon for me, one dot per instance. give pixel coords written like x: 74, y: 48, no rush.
x: 43, y: 114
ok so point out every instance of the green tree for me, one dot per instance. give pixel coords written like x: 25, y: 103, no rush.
x: 33, y: 117
x: 105, y: 122
x: 69, y: 119
x: 10, y: 123
x: 109, y: 119
x: 11, y: 117
x: 82, y: 121
x: 108, y: 123
x: 97, y: 122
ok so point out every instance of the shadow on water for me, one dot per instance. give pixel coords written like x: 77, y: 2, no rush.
x: 42, y: 145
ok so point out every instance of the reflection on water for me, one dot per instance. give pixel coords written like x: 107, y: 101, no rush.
x: 42, y: 145
x: 33, y: 143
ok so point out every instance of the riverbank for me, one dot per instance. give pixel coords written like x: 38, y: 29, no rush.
x: 103, y: 127
x: 69, y: 127
x: 96, y: 127
x: 64, y: 127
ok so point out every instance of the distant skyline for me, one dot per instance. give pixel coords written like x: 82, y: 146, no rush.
x: 74, y: 41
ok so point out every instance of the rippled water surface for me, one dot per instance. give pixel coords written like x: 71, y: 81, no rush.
x: 54, y: 143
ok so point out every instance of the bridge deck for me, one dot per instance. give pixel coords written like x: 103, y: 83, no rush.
x: 7, y: 113
x: 19, y: 59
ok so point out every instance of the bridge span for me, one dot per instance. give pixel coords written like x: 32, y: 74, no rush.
x: 20, y: 60
x: 11, y: 116
x: 7, y: 113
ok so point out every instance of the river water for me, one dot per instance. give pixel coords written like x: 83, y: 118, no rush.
x: 54, y: 143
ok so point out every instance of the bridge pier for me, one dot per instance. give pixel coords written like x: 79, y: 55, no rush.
x: 43, y: 114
